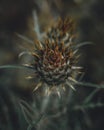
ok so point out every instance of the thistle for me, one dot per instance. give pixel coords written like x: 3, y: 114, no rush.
x: 54, y: 66
x: 55, y: 58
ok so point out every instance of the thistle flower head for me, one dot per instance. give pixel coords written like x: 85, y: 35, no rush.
x: 55, y: 57
x: 53, y: 62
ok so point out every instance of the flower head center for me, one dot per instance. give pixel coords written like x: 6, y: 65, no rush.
x: 53, y: 57
x: 53, y: 66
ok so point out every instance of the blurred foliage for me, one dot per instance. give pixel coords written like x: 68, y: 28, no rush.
x: 16, y: 16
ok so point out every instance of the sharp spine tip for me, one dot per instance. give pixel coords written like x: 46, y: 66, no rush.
x: 37, y: 86
x: 58, y: 93
x: 73, y: 80
x: 29, y: 77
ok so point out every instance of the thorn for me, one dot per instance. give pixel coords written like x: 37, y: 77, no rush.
x: 73, y: 80
x: 66, y: 37
x: 76, y: 67
x: 24, y: 53
x: 37, y: 86
x: 39, y: 44
x: 72, y: 87
x: 58, y: 93
x: 47, y: 91
x: 75, y: 52
x: 83, y: 44
x: 78, y: 56
x: 36, y: 55
x: 29, y: 77
x: 27, y: 65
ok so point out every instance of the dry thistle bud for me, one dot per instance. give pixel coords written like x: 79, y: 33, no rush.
x: 55, y: 58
